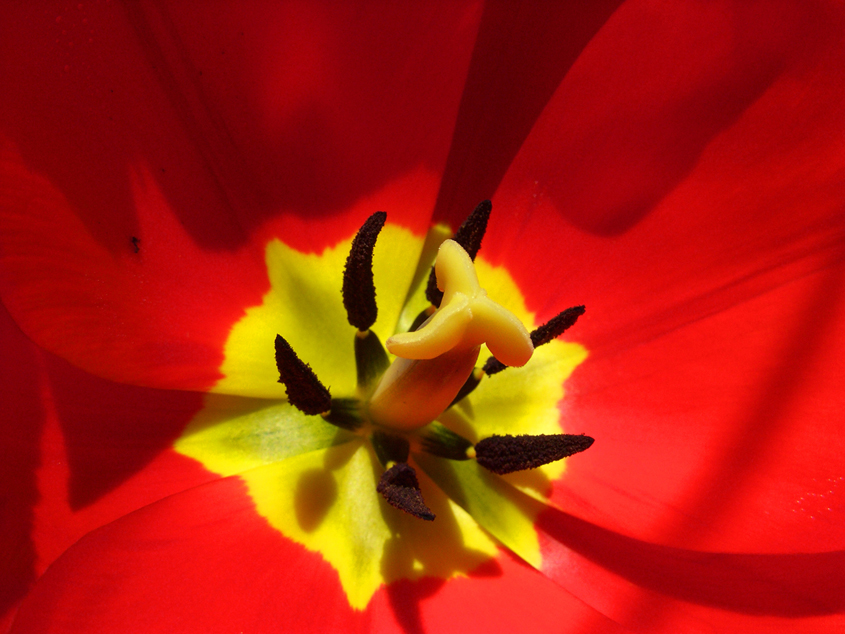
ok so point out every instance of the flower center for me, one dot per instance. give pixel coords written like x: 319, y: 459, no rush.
x: 336, y: 491
x: 434, y: 365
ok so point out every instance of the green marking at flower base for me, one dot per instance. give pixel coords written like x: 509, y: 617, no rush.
x: 316, y: 483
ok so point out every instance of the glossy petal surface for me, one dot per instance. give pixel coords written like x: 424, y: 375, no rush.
x: 155, y: 569
x: 77, y: 453
x: 137, y: 195
x: 713, y: 287
x: 681, y: 176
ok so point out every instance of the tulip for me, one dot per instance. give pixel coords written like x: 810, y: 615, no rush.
x: 676, y: 169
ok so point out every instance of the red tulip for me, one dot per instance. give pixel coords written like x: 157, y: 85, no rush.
x: 677, y: 169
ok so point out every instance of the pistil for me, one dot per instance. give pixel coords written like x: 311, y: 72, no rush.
x: 435, y: 360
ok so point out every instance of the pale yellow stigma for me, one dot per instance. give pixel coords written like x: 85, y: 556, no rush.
x: 436, y: 360
x: 466, y: 317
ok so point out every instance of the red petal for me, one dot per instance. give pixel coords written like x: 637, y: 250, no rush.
x: 654, y: 588
x: 19, y: 434
x: 727, y: 436
x: 240, y: 112
x: 713, y: 300
x: 762, y: 192
x: 149, y: 153
x: 502, y: 100
x: 79, y: 452
x: 652, y: 94
x: 204, y: 561
x: 157, y: 317
x: 724, y: 297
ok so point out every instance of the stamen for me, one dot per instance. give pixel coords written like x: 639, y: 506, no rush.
x: 304, y: 390
x: 401, y: 489
x: 556, y: 326
x: 471, y: 383
x: 345, y: 413
x: 359, y: 291
x: 471, y: 232
x: 492, y: 366
x: 370, y: 358
x: 549, y: 331
x: 390, y: 448
x: 420, y: 319
x: 506, y: 454
x: 442, y: 441
x: 469, y: 236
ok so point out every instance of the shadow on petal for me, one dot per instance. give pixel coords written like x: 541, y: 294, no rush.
x: 20, y: 434
x: 786, y: 585
x: 112, y: 430
x: 493, y: 122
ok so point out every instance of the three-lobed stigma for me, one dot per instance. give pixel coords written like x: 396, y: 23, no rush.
x: 434, y: 361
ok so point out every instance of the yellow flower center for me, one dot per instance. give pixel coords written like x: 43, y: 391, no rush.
x: 315, y: 483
